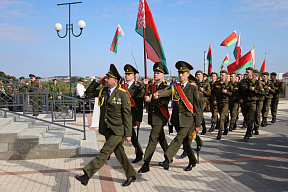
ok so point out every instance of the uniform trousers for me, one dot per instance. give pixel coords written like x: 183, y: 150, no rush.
x: 136, y: 144
x: 248, y: 109
x: 259, y: 106
x: 274, y: 106
x: 266, y: 105
x: 223, y: 109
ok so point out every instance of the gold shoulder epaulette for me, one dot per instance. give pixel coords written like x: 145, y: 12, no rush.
x: 193, y: 84
x: 120, y: 89
x: 166, y: 84
x: 137, y: 85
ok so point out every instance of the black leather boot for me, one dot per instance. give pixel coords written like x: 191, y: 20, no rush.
x: 235, y: 126
x: 212, y: 128
x: 247, y: 135
x: 219, y: 136
x: 145, y: 168
x: 190, y: 166
x: 183, y: 155
x: 256, y: 130
x: 165, y: 164
x: 265, y: 121
x: 231, y: 126
x: 225, y: 131
x: 244, y: 125
x: 83, y: 178
x: 273, y: 119
x: 203, y: 131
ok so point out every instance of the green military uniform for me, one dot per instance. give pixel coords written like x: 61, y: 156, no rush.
x: 233, y: 102
x: 34, y: 99
x: 54, y: 88
x: 269, y: 92
x: 11, y: 90
x: 182, y: 118
x: 115, y: 123
x: 137, y: 110
x: 156, y: 119
x: 259, y: 103
x: 22, y: 88
x: 249, y: 98
x: 206, y: 93
x: 222, y: 100
x: 279, y: 87
x: 213, y: 108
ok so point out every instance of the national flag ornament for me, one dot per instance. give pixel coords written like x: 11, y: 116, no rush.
x: 209, y: 58
x: 119, y: 33
x: 225, y: 62
x: 231, y: 39
x: 237, y: 51
x: 145, y: 21
x: 263, y: 67
x: 244, y: 62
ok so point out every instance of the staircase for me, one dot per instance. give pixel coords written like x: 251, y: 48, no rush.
x: 25, y: 138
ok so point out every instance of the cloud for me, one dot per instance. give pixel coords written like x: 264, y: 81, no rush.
x: 14, y: 33
x: 4, y: 4
x: 263, y: 5
x: 179, y: 2
x: 12, y: 14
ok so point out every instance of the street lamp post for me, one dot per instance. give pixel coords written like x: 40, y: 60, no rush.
x: 69, y: 27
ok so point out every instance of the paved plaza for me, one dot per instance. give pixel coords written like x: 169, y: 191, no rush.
x: 261, y: 164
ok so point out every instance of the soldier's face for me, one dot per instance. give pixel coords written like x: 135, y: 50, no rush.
x: 110, y: 82
x: 273, y: 77
x: 129, y: 76
x: 183, y: 76
x: 255, y: 75
x: 265, y: 77
x: 32, y: 79
x: 233, y: 77
x: 249, y: 74
x: 158, y: 76
x: 55, y: 82
x: 199, y: 76
x: 223, y: 76
x: 214, y: 77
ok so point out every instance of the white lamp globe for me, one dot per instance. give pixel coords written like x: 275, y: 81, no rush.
x: 58, y: 27
x: 81, y: 24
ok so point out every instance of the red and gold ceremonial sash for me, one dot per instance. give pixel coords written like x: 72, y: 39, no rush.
x: 133, y: 104
x: 161, y: 107
x: 184, y: 98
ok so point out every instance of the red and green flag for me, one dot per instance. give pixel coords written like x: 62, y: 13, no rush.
x: 237, y: 51
x: 209, y: 58
x: 119, y: 33
x: 231, y: 39
x: 244, y: 62
x: 263, y: 67
x: 154, y: 49
x: 225, y: 62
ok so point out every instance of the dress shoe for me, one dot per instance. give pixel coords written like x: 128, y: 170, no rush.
x: 137, y: 159
x: 129, y: 181
x: 203, y: 131
x: 256, y: 130
x: 83, y: 179
x: 189, y: 167
x: 235, y: 126
x: 183, y: 155
x: 145, y: 168
x: 231, y: 127
x: 247, y: 134
x: 219, y: 136
x: 273, y: 119
x: 165, y: 164
x: 244, y: 126
x: 198, y: 148
x: 212, y: 128
x: 225, y: 132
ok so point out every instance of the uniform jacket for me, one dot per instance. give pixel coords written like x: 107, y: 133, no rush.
x: 206, y: 89
x: 217, y: 92
x: 246, y: 94
x: 269, y: 93
x: 181, y: 116
x: 280, y: 89
x: 115, y: 111
x: 234, y: 96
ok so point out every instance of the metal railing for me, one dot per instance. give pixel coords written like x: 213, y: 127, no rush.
x: 36, y: 101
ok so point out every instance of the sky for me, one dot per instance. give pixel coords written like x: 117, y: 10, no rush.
x: 29, y: 42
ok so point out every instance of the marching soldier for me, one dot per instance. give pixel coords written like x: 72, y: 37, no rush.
x: 259, y: 102
x: 248, y: 99
x: 158, y: 115
x: 115, y: 123
x: 10, y: 91
x: 186, y: 114
x: 133, y: 89
x: 204, y: 89
x: 279, y: 87
x: 22, y: 87
x: 269, y: 91
x: 221, y: 99
x: 233, y: 101
x: 214, y: 109
x: 54, y: 88
x: 38, y: 80
x: 34, y: 99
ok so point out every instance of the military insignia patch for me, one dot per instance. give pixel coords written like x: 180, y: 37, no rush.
x: 128, y: 102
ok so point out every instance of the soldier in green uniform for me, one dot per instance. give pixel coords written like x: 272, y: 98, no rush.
x: 259, y: 103
x: 115, y: 124
x: 186, y: 114
x: 214, y: 109
x: 34, y: 99
x: 205, y: 90
x: 279, y: 87
x: 22, y: 87
x: 221, y: 99
x: 233, y: 101
x: 248, y: 99
x: 158, y: 115
x: 11, y: 90
x: 54, y: 88
x: 269, y: 91
x: 133, y: 89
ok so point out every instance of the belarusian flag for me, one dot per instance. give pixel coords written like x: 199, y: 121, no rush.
x: 263, y: 67
x: 209, y: 58
x: 231, y: 39
x: 119, y: 33
x: 226, y: 61
x: 153, y: 43
x: 244, y: 62
x: 237, y: 51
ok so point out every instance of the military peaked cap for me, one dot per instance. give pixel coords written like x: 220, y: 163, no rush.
x: 265, y: 73
x: 199, y: 71
x: 224, y: 71
x: 113, y: 72
x: 31, y: 75
x: 273, y: 73
x: 205, y: 75
x: 255, y: 71
x: 213, y: 73
x: 21, y: 77
x: 38, y: 77
x: 183, y: 66
x: 159, y: 67
x: 232, y: 73
x: 54, y: 79
x: 81, y: 79
x: 249, y: 68
x: 130, y: 69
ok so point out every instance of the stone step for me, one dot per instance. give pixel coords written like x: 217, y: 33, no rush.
x: 34, y: 132
x: 54, y: 135
x: 5, y: 122
x: 90, y: 145
x: 11, y: 132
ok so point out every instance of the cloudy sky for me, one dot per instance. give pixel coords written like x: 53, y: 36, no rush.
x: 29, y: 43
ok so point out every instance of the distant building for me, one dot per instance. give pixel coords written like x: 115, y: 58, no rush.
x: 285, y: 78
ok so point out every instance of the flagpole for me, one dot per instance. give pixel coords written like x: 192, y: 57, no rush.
x: 254, y: 57
x: 145, y: 65
x: 131, y: 52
